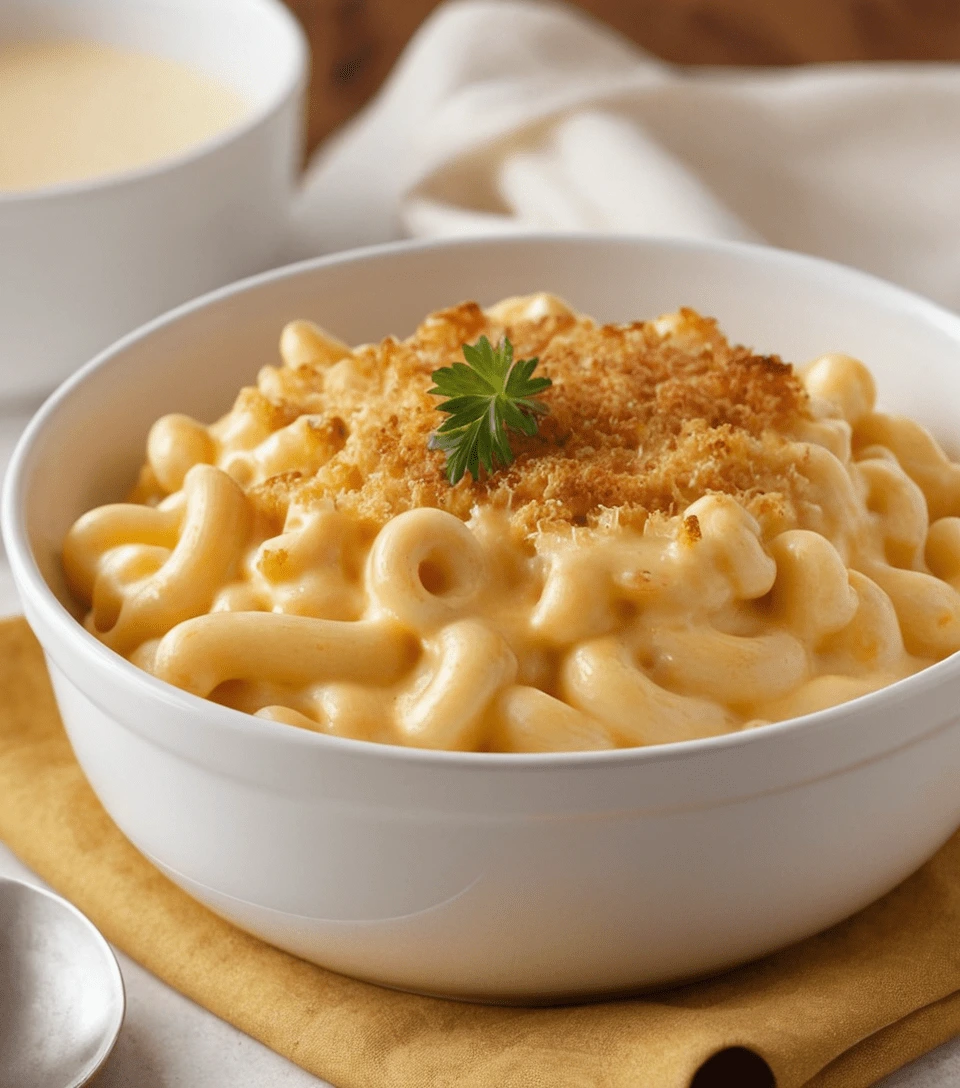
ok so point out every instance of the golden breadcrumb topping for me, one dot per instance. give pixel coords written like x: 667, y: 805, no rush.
x: 643, y: 419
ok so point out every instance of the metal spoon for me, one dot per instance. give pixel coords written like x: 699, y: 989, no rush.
x: 61, y: 992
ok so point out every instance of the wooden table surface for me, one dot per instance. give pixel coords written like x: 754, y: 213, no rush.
x: 355, y: 42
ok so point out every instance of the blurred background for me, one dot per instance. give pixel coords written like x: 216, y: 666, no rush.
x: 355, y: 42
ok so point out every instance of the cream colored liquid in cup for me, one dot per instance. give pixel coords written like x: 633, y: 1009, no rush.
x: 73, y: 110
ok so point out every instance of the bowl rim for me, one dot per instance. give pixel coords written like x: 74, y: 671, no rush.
x: 229, y: 722
x: 294, y: 84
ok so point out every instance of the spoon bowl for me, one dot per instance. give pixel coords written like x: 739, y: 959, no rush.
x: 61, y: 992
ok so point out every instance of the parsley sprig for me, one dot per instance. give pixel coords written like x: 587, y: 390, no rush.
x: 489, y: 395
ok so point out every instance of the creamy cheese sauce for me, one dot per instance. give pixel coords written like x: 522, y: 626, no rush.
x: 72, y: 110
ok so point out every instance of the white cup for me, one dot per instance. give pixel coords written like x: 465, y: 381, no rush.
x: 82, y: 263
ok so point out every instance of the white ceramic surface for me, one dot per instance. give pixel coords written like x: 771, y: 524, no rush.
x: 499, y: 877
x: 83, y: 263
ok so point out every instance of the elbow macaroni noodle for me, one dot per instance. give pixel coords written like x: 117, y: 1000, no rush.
x: 431, y: 629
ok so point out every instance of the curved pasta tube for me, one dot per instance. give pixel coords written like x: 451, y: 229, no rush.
x: 530, y: 720
x: 214, y: 533
x: 844, y: 382
x: 920, y: 455
x: 812, y: 595
x: 122, y: 571
x: 144, y: 655
x: 425, y: 567
x: 345, y: 378
x: 834, y: 435
x: 313, y: 568
x: 174, y: 445
x: 106, y: 527
x: 730, y: 536
x: 533, y: 307
x: 470, y: 663
x: 576, y: 602
x: 927, y: 608
x: 303, y: 446
x: 253, y: 418
x: 601, y: 679
x: 357, y: 711
x: 729, y: 668
x: 834, y: 492
x: 686, y: 329
x: 820, y: 693
x: 302, y: 343
x: 875, y: 453
x: 943, y: 550
x: 901, y: 507
x: 200, y: 654
x: 872, y: 639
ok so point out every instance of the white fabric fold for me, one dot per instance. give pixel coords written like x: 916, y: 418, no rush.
x: 509, y: 115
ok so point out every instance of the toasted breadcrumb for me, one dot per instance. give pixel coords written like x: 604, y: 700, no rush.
x: 644, y: 418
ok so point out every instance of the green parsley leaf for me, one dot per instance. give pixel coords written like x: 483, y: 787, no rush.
x: 488, y: 396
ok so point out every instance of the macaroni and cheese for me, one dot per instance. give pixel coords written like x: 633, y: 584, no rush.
x: 698, y: 540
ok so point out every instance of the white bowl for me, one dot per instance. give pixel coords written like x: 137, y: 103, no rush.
x: 499, y: 877
x: 83, y: 263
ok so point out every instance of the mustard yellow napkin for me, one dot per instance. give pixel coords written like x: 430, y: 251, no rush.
x: 841, y: 1009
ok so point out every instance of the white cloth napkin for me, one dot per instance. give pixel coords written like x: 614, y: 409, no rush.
x: 507, y: 115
